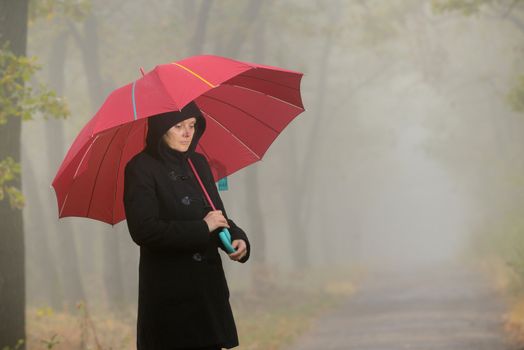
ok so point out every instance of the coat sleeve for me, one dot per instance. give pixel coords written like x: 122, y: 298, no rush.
x: 146, y: 228
x: 235, y: 231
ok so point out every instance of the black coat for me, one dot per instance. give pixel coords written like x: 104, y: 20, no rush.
x: 183, y: 297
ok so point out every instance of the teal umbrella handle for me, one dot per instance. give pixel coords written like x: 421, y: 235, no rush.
x: 225, y: 237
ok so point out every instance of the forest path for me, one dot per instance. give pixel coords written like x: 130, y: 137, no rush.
x: 448, y: 308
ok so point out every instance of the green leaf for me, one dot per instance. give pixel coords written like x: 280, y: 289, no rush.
x: 49, y: 9
x: 466, y: 7
x: 16, y: 198
x: 516, y: 95
x: 21, y: 98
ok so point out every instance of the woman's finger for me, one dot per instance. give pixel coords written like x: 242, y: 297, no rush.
x: 240, y: 247
x: 239, y: 243
x: 236, y: 255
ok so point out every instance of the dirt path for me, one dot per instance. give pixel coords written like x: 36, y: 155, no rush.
x: 447, y: 309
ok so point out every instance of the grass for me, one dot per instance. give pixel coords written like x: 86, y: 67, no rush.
x: 276, y: 313
x: 498, y: 250
x: 509, y: 284
x: 77, y: 329
x: 269, y: 316
x: 271, y: 327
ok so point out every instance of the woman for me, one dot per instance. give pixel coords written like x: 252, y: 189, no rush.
x: 183, y: 299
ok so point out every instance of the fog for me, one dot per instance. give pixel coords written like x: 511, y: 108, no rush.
x: 373, y: 190
x: 409, y: 149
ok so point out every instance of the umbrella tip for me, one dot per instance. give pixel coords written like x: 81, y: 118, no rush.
x: 142, y: 71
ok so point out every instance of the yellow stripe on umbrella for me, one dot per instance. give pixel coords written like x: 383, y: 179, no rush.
x: 195, y: 74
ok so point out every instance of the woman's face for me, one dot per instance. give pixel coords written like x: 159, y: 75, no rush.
x: 179, y: 136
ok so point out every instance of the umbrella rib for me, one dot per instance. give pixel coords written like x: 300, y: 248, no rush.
x: 234, y: 136
x: 159, y: 77
x: 262, y: 93
x: 98, y: 171
x: 118, y: 172
x: 267, y: 80
x: 76, y: 173
x: 240, y: 109
x: 63, y: 205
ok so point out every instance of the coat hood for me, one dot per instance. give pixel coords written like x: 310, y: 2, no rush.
x: 159, y: 124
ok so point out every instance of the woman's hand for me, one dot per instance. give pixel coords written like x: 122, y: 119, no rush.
x: 215, y: 219
x: 241, y: 250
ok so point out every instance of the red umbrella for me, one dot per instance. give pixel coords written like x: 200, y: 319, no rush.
x: 246, y: 106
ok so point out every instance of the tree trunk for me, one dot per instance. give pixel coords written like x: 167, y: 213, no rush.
x: 73, y: 290
x: 89, y: 45
x: 113, y: 271
x: 13, y: 29
x: 188, y: 8
x: 305, y: 176
x: 299, y: 244
x: 260, y: 275
x: 199, y: 34
x: 240, y: 35
x: 129, y: 258
x: 43, y: 281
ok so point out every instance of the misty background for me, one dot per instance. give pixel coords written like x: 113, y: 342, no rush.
x: 409, y: 152
x: 405, y: 124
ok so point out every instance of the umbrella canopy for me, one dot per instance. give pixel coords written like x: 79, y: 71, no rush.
x: 246, y: 106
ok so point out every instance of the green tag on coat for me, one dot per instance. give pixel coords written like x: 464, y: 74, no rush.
x: 222, y: 184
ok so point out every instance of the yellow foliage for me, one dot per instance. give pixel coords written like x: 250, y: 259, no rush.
x: 514, y: 322
x: 502, y: 276
x: 498, y: 270
x: 267, y: 318
x: 67, y: 330
x: 287, y: 316
x: 44, y: 312
x: 340, y: 288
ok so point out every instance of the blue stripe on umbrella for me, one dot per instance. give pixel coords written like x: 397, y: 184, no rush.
x: 134, y: 103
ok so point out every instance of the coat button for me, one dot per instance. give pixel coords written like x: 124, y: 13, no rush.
x: 197, y: 257
x: 186, y: 200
